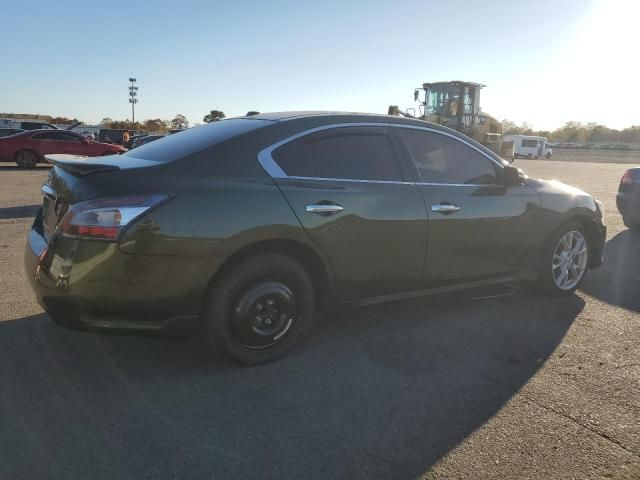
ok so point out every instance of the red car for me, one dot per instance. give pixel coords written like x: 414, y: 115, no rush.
x: 29, y: 148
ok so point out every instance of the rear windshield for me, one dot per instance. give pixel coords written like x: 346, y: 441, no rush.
x: 192, y: 140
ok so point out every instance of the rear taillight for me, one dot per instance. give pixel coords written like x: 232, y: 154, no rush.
x: 627, y: 178
x: 105, y: 218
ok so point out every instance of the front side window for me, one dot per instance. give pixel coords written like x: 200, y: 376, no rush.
x: 66, y: 137
x: 360, y: 153
x: 442, y: 159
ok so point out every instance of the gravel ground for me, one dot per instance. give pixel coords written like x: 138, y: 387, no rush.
x: 598, y: 156
x: 444, y: 387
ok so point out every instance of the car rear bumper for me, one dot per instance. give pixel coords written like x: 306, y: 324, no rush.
x: 92, y: 286
x: 600, y: 237
x: 628, y: 204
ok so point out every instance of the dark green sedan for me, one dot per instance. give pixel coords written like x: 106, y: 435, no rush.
x: 251, y: 226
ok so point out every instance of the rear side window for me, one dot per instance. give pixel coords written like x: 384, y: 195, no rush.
x: 192, y: 140
x: 44, y: 136
x: 345, y: 153
x: 442, y: 159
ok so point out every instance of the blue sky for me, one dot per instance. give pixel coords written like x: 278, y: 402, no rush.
x: 545, y: 62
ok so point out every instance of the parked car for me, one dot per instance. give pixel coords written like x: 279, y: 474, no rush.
x: 113, y: 135
x: 628, y: 198
x: 5, y: 132
x: 133, y: 138
x: 145, y: 139
x: 28, y: 149
x: 252, y: 225
x: 34, y: 125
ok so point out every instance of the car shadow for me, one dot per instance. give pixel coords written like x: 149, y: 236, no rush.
x: 23, y: 211
x: 377, y: 392
x: 616, y: 281
x: 8, y: 167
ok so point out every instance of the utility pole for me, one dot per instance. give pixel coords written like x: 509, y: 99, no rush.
x: 133, y: 93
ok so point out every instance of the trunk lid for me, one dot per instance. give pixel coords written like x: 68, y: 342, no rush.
x: 74, y: 178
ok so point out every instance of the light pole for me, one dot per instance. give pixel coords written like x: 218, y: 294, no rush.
x: 133, y: 93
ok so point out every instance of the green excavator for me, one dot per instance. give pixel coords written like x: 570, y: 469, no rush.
x: 456, y: 104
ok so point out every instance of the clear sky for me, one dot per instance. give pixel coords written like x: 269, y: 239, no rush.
x: 543, y: 61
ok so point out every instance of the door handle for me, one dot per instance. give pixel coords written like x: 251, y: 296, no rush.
x: 445, y: 208
x: 326, y: 209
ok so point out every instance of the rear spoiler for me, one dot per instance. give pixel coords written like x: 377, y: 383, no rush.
x: 80, y: 164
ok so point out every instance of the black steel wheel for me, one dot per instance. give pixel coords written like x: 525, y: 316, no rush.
x: 260, y: 308
x: 263, y: 314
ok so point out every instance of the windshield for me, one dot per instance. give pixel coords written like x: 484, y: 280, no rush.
x: 441, y: 99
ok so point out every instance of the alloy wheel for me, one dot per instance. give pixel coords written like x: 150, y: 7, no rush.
x: 26, y: 159
x: 569, y: 262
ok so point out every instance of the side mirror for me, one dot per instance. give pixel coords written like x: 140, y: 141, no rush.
x: 512, y: 176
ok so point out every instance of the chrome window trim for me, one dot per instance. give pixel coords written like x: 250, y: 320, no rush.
x: 352, y: 180
x: 274, y: 170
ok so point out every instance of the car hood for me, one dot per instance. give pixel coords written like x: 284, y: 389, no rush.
x: 554, y: 187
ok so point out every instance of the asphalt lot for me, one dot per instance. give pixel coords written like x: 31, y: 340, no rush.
x: 444, y: 387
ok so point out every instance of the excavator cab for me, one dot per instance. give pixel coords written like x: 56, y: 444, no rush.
x: 454, y: 104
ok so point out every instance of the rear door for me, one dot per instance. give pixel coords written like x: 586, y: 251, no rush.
x: 71, y: 143
x: 478, y: 228
x: 43, y: 143
x: 55, y: 141
x: 348, y: 189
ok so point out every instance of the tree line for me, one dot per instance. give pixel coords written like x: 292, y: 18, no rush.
x: 570, y: 132
x: 576, y: 132
x: 150, y: 125
x: 159, y: 125
x: 37, y: 116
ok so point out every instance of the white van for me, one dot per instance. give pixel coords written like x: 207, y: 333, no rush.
x: 527, y: 146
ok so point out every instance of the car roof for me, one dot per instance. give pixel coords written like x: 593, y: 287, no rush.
x: 320, y: 117
x: 342, y: 116
x: 283, y: 116
x: 47, y: 130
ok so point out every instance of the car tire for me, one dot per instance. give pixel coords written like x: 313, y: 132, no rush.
x: 565, y: 260
x: 26, y: 159
x: 260, y: 309
x: 631, y: 223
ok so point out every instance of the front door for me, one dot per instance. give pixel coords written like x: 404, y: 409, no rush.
x: 348, y: 190
x: 478, y: 229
